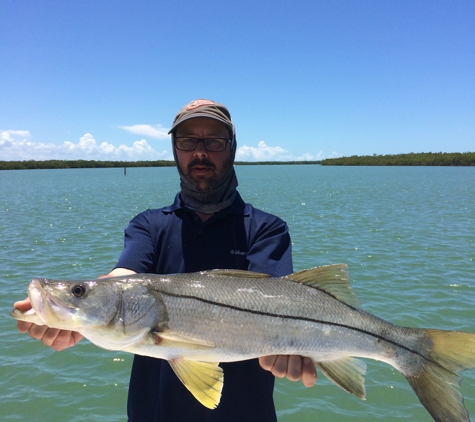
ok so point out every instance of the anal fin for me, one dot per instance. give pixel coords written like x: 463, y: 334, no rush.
x: 348, y: 373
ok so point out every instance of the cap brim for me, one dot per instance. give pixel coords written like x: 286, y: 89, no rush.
x: 195, y: 115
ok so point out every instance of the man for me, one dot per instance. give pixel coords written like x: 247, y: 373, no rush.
x: 208, y: 226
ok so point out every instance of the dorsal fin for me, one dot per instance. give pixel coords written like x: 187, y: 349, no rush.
x: 332, y: 279
x: 235, y: 273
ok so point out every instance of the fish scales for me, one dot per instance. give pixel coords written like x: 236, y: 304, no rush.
x: 246, y: 312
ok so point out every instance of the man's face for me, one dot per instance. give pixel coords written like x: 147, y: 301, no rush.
x: 205, y: 169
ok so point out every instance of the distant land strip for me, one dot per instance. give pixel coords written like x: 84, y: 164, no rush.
x: 74, y: 164
x: 410, y: 159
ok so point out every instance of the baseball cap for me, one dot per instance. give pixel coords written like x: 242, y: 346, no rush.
x: 204, y: 108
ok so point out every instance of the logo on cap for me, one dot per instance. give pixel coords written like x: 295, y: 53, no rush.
x: 198, y: 103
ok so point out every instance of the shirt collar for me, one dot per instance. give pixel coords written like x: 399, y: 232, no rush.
x: 238, y: 207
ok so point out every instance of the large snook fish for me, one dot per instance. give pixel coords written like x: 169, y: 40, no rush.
x: 195, y: 320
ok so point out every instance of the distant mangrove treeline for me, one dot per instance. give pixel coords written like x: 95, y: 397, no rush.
x: 75, y: 164
x: 411, y: 159
x: 79, y: 164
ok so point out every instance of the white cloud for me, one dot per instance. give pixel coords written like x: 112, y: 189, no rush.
x: 14, y: 146
x: 263, y: 152
x: 10, y: 139
x: 156, y: 131
x: 24, y: 133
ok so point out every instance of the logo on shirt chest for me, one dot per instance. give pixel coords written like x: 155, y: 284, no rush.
x: 237, y: 252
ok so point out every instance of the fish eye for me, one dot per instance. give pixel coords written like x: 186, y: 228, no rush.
x: 78, y: 290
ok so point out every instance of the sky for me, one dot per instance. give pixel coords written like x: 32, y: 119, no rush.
x: 303, y: 79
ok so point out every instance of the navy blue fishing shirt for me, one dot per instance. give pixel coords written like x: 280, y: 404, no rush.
x: 175, y: 240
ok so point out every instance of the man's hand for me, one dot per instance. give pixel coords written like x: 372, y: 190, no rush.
x: 53, y: 337
x: 293, y: 367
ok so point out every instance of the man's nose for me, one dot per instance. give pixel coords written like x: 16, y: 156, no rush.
x: 200, y: 150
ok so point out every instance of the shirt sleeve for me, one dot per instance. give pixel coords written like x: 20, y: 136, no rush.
x: 140, y: 249
x: 270, y: 248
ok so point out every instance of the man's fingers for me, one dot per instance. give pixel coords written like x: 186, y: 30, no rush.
x: 279, y: 369
x: 60, y: 340
x: 23, y: 305
x: 277, y: 364
x: 76, y: 337
x: 23, y: 326
x: 53, y: 337
x: 293, y: 367
x: 49, y: 336
x: 267, y: 362
x: 309, y: 373
x: 37, y: 331
x: 44, y: 333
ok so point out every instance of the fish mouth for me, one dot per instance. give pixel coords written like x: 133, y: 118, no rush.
x: 51, y: 310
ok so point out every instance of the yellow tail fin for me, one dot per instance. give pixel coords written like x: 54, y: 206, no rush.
x: 452, y: 352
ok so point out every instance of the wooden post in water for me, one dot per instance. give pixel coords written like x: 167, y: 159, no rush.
x: 125, y: 168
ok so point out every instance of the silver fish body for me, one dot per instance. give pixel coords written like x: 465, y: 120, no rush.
x: 248, y: 318
x: 195, y: 320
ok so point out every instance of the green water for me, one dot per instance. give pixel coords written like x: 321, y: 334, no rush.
x: 407, y: 234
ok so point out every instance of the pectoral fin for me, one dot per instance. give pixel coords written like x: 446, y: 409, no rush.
x: 203, y: 379
x: 170, y: 340
x: 347, y: 373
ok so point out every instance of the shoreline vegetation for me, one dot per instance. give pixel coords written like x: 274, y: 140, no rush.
x: 411, y: 159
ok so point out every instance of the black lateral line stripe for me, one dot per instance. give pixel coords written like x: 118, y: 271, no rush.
x: 298, y: 318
